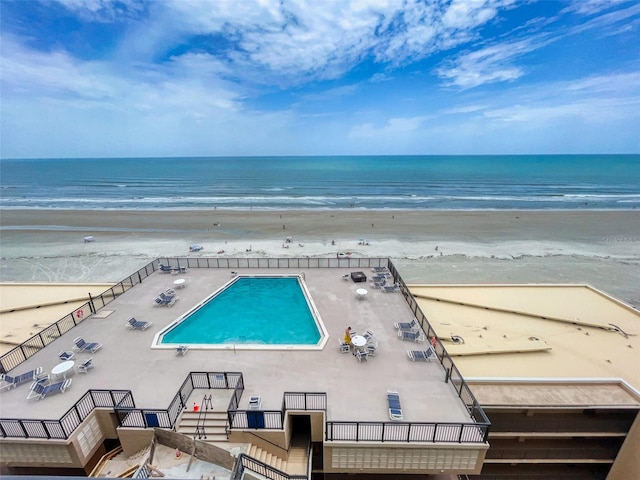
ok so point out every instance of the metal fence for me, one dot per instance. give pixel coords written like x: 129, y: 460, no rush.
x: 64, y: 427
x: 451, y: 371
x: 406, y: 432
x: 166, y: 418
x: 123, y: 404
x: 33, y: 345
x: 129, y: 416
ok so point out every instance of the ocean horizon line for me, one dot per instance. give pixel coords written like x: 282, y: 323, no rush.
x: 293, y: 156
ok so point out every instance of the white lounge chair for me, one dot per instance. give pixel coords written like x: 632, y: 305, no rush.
x: 411, y: 335
x: 255, y: 402
x: 406, y: 325
x: 395, y: 408
x: 40, y: 390
x: 134, y: 324
x: 80, y: 345
x: 422, y: 355
x: 9, y: 381
x: 64, y: 356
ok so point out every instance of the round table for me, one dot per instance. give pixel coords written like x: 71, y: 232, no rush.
x: 62, y: 368
x: 361, y: 292
x: 179, y: 283
x: 358, y: 341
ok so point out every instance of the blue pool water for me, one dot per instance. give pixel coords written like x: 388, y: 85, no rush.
x: 263, y: 310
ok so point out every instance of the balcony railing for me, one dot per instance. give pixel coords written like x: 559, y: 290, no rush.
x: 61, y: 429
x: 406, y: 432
x: 122, y: 402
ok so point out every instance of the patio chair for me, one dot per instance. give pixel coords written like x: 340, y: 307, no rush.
x: 182, y: 350
x: 134, y: 324
x: 411, y: 335
x: 362, y: 355
x: 80, y: 345
x: 40, y: 390
x: 344, y: 347
x: 86, y: 365
x: 391, y: 288
x: 371, y: 349
x: 8, y: 381
x: 406, y: 325
x: 393, y: 401
x: 255, y: 402
x: 378, y: 284
x: 64, y: 356
x: 421, y: 355
x: 368, y: 334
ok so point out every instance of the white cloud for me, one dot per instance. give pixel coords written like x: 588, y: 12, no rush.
x: 487, y: 65
x: 393, y: 128
x: 291, y: 41
x: 104, y: 10
x: 592, y: 7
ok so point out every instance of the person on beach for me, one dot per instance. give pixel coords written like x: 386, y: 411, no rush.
x: 347, y: 336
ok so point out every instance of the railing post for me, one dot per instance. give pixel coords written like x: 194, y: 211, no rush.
x: 24, y: 430
x: 384, y: 424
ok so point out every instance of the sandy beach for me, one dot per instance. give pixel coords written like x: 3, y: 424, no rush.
x: 601, y: 248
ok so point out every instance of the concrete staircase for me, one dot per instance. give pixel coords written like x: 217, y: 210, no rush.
x: 268, y: 458
x: 296, y: 462
x: 215, y: 425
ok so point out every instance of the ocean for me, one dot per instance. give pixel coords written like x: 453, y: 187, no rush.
x: 549, y: 182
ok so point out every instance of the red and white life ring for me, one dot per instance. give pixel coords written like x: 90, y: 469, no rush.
x: 79, y: 313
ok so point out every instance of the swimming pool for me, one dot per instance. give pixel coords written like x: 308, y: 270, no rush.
x: 250, y: 312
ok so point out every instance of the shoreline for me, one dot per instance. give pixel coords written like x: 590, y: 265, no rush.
x: 601, y: 248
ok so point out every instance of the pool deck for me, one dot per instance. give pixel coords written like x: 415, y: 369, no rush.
x: 355, y: 391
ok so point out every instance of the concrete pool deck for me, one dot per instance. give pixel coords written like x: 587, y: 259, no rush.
x: 355, y: 390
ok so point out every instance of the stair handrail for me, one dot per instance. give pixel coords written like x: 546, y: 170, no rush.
x: 268, y: 441
x: 202, y: 417
x: 104, y: 460
x: 248, y: 462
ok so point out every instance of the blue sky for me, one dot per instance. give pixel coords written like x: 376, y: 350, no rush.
x: 91, y: 78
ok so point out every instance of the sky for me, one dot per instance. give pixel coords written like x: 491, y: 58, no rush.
x: 139, y: 78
